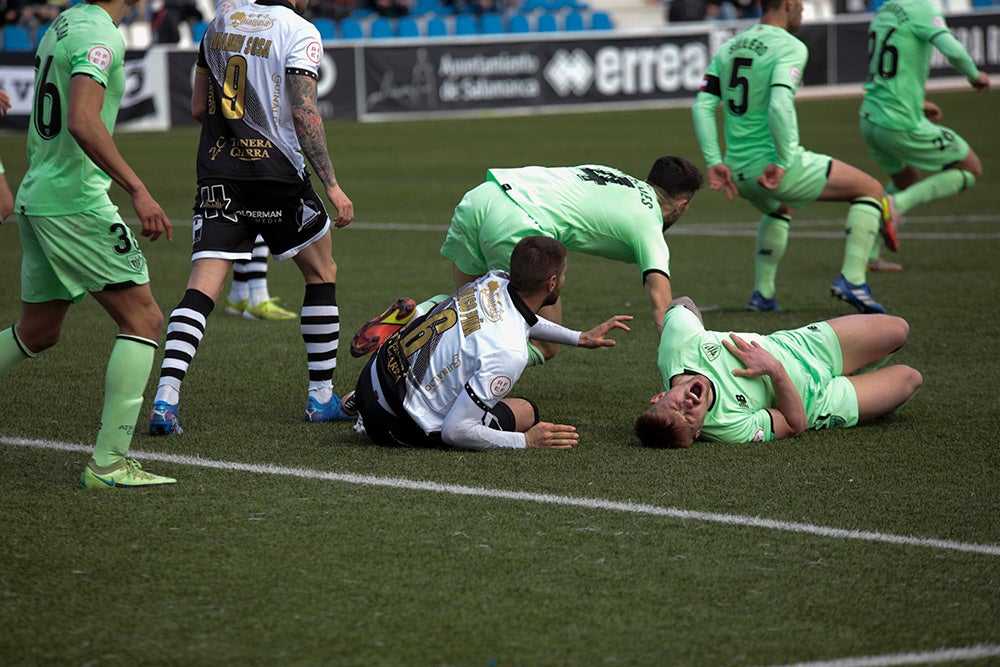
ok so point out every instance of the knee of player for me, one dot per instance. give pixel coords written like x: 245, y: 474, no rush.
x: 548, y: 350
x: 38, y: 340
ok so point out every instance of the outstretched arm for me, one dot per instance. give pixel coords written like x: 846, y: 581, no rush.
x: 312, y: 138
x: 789, y: 417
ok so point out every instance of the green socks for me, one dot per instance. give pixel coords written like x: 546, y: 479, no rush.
x: 128, y: 370
x: 864, y: 219
x: 12, y: 350
x: 772, y: 239
x: 943, y: 184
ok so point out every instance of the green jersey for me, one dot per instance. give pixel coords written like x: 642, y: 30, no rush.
x: 61, y: 179
x: 592, y: 209
x: 743, y: 73
x: 901, y: 39
x: 739, y: 413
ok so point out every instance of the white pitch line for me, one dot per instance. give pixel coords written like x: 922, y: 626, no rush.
x: 976, y: 652
x: 549, y: 499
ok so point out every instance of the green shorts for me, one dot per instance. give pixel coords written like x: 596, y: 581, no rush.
x: 803, y: 183
x: 484, y: 230
x: 67, y: 256
x: 928, y: 147
x: 813, y: 359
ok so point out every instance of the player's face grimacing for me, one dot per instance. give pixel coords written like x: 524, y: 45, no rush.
x: 687, y: 401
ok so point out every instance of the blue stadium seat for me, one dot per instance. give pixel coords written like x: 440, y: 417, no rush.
x: 466, y: 25
x: 17, y: 38
x: 518, y: 23
x: 40, y: 32
x: 381, y: 28
x: 547, y: 23
x: 491, y: 24
x: 327, y: 28
x: 407, y: 27
x: 351, y: 29
x: 574, y: 21
x: 601, y: 21
x: 198, y: 29
x: 437, y: 27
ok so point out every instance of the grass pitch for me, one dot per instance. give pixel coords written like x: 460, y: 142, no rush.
x: 335, y: 555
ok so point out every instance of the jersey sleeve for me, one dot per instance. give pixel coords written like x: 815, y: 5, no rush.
x: 96, y: 56
x: 306, y: 55
x: 788, y: 68
x: 947, y: 44
x: 927, y: 21
x: 463, y: 427
x: 703, y: 113
x: 784, y: 124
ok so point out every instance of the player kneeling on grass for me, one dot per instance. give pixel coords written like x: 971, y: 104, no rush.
x: 445, y: 377
x: 746, y: 387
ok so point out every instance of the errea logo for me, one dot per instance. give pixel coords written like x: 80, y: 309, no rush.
x: 628, y: 70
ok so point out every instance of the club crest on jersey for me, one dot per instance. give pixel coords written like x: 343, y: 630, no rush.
x: 711, y: 351
x: 500, y: 385
x: 250, y: 22
x: 100, y: 56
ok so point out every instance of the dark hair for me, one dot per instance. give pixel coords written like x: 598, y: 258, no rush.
x: 534, y: 260
x: 675, y: 176
x: 771, y: 5
x: 657, y: 430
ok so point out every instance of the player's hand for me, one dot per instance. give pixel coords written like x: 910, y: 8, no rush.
x: 4, y: 103
x: 597, y: 337
x: 772, y: 177
x: 345, y: 207
x: 544, y: 435
x: 154, y: 220
x: 757, y: 360
x: 720, y: 177
x: 982, y: 83
x: 932, y: 112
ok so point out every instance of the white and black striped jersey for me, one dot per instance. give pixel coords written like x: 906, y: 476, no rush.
x: 473, y: 345
x: 248, y: 54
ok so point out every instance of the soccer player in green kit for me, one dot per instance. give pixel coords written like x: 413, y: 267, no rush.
x: 729, y: 387
x: 754, y: 76
x: 897, y: 123
x: 593, y: 209
x: 73, y: 239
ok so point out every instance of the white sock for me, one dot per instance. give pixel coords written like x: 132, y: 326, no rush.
x: 322, y: 391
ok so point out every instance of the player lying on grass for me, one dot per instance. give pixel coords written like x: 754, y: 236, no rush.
x: 746, y: 387
x: 445, y: 378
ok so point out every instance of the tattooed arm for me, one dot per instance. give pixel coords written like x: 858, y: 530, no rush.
x: 312, y: 139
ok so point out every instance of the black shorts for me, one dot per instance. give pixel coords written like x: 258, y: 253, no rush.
x: 399, y: 430
x: 228, y: 216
